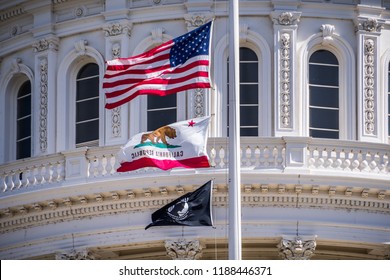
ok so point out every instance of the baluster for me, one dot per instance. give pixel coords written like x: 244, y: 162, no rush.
x: 212, y: 155
x: 266, y: 156
x: 257, y: 156
x: 312, y: 159
x: 261, y: 157
x: 109, y: 166
x: 363, y: 162
x: 55, y: 174
x: 47, y: 174
x: 355, y: 161
x: 337, y: 162
x: 10, y: 182
x: 100, y: 166
x: 92, y: 167
x: 222, y: 162
x: 62, y: 170
x: 17, y: 181
x: 280, y: 157
x: 374, y: 163
x: 347, y: 161
x: 25, y: 175
x: 3, y: 185
x: 248, y: 156
x: 39, y: 176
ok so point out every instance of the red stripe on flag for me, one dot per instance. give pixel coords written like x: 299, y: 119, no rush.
x: 199, y: 162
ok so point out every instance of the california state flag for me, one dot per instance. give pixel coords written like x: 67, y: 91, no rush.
x: 181, y: 144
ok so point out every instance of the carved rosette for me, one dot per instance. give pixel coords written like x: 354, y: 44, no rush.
x: 285, y: 73
x: 184, y: 249
x: 368, y: 86
x: 43, y: 106
x: 199, y: 102
x: 296, y: 249
x: 370, y: 25
x: 83, y: 254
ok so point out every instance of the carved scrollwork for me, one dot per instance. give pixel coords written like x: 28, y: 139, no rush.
x: 43, y: 105
x: 296, y: 249
x: 183, y: 249
x: 285, y: 73
x: 369, y: 93
x: 83, y: 254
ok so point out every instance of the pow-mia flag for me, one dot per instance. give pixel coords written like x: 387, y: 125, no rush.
x: 191, y: 209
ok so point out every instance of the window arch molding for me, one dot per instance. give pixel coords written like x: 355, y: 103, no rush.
x: 256, y: 43
x: 9, y: 88
x: 66, y: 95
x: 347, y: 82
x: 141, y: 101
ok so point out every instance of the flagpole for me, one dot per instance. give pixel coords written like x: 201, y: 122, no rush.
x: 234, y: 135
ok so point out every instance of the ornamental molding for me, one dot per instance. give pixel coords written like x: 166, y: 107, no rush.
x: 371, y: 25
x: 116, y: 122
x: 73, y: 254
x: 369, y: 86
x: 297, y: 248
x: 184, y: 249
x: 157, y: 35
x: 46, y: 44
x: 327, y: 34
x: 11, y: 13
x: 15, y: 65
x: 115, y: 202
x: 285, y: 18
x: 81, y: 47
x: 43, y: 66
x: 199, y: 102
x: 116, y: 50
x: 117, y: 28
x: 197, y: 19
x: 285, y: 80
x: 244, y: 32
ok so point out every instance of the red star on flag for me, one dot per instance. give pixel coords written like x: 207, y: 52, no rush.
x: 191, y: 123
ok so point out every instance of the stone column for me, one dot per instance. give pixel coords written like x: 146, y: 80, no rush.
x: 285, y: 69
x: 184, y: 249
x: 296, y: 248
x: 370, y: 115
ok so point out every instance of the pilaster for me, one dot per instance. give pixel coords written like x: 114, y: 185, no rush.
x: 117, y: 41
x: 45, y: 50
x: 370, y: 115
x: 285, y: 67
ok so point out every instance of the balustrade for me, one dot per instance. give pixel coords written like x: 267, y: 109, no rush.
x: 256, y: 153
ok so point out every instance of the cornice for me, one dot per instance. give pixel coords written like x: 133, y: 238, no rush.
x: 91, y: 205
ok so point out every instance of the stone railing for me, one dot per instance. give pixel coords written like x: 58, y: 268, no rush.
x: 297, y: 154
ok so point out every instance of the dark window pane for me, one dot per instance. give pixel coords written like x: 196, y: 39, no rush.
x: 249, y: 116
x: 23, y: 149
x: 388, y: 123
x: 87, y: 88
x: 323, y: 75
x: 25, y: 89
x: 23, y: 128
x: 248, y: 131
x: 323, y: 56
x: 87, y: 131
x: 86, y: 110
x: 324, y: 134
x: 248, y: 73
x: 324, y: 97
x: 157, y: 119
x: 322, y: 118
x: 90, y: 69
x: 157, y: 102
x: 247, y: 54
x: 24, y: 106
x: 249, y: 94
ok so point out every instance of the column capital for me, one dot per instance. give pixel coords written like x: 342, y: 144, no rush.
x: 183, y: 249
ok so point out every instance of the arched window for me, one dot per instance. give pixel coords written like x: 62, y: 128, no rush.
x: 323, y: 95
x: 161, y: 110
x: 87, y: 106
x: 249, y: 93
x: 23, y: 121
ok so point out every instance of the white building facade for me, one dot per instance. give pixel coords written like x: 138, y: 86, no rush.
x: 315, y: 130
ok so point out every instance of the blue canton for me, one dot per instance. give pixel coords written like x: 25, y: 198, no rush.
x: 191, y: 44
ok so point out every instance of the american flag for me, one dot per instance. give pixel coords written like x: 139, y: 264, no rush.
x: 177, y: 65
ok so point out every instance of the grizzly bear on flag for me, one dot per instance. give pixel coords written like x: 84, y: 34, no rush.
x: 159, y: 134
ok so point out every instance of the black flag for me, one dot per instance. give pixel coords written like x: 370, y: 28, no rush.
x: 191, y: 209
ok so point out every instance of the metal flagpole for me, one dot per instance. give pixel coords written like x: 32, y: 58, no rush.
x: 234, y: 135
